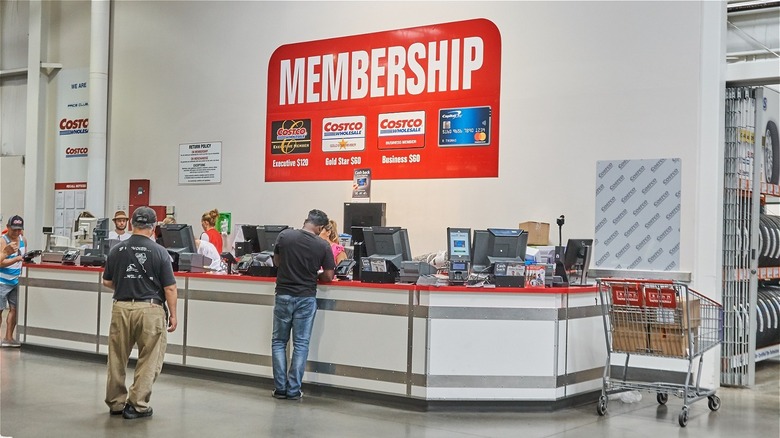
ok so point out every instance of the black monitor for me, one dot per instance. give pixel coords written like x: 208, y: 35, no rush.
x: 178, y: 237
x: 459, y: 244
x: 266, y: 236
x: 497, y: 244
x: 357, y: 235
x: 388, y: 242
x: 250, y: 235
x: 363, y: 214
x: 480, y: 252
x: 576, y: 253
x: 100, y: 234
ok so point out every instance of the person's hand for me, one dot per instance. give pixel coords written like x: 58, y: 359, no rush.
x: 172, y: 323
x: 8, y: 250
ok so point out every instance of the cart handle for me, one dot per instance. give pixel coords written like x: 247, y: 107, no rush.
x: 633, y: 280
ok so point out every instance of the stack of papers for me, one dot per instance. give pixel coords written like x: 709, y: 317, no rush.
x: 433, y: 280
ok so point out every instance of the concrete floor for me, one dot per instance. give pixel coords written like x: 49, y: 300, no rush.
x: 43, y: 395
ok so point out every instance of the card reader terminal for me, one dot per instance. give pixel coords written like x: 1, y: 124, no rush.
x: 459, y: 272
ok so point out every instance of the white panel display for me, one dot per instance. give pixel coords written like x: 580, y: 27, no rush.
x: 638, y: 214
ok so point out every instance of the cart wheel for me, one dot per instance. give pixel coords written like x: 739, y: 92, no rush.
x: 683, y: 419
x: 713, y: 402
x: 662, y: 398
x: 601, y: 407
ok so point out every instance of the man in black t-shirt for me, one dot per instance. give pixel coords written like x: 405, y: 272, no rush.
x: 299, y: 255
x: 140, y: 273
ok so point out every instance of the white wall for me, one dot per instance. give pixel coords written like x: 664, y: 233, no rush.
x: 11, y: 175
x: 581, y: 82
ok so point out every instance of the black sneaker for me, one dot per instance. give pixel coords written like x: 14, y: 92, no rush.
x: 279, y: 394
x: 295, y: 397
x: 130, y: 413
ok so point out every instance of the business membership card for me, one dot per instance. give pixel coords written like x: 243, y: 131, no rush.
x: 464, y: 126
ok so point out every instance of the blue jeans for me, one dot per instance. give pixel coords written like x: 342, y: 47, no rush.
x: 296, y: 314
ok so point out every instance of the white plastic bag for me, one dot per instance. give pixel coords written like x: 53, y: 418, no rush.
x: 627, y: 396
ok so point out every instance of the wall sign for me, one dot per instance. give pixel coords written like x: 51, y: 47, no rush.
x: 410, y: 103
x: 200, y: 163
x: 72, y: 145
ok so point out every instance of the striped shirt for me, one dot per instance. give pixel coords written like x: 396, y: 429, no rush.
x: 10, y: 274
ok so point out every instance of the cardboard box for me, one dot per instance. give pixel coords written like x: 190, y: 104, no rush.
x: 677, y: 317
x: 670, y: 341
x: 538, y: 232
x: 629, y: 338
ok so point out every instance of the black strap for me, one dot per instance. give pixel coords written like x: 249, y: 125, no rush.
x: 155, y: 283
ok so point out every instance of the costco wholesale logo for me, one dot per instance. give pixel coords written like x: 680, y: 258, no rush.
x: 402, y: 130
x: 344, y: 134
x: 291, y: 137
x: 76, y: 152
x: 77, y: 126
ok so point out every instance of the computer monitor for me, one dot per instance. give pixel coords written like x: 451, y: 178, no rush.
x: 391, y: 243
x: 577, y: 253
x: 479, y: 252
x: 497, y: 244
x: 250, y: 235
x: 84, y: 228
x: 459, y: 244
x: 363, y: 214
x: 100, y: 234
x: 357, y: 234
x: 266, y: 236
x: 178, y: 237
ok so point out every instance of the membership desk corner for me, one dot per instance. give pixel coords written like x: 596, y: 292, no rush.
x: 418, y: 343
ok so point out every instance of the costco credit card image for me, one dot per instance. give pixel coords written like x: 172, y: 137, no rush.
x: 464, y: 126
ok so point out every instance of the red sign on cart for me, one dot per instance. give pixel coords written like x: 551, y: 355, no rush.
x: 410, y: 103
x: 627, y: 295
x: 660, y: 297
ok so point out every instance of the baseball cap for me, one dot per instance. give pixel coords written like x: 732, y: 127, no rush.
x: 16, y: 223
x: 144, y: 216
x: 318, y: 217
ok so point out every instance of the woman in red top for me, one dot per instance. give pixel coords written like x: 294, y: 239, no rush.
x: 210, y: 234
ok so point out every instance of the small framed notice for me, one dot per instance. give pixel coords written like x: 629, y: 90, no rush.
x: 200, y: 163
x: 361, y: 186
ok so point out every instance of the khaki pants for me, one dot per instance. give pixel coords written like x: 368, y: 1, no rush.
x: 142, y: 324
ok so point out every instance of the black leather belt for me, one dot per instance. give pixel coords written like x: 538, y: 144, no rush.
x: 148, y: 300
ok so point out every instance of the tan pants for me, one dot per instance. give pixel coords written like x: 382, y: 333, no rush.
x: 142, y: 324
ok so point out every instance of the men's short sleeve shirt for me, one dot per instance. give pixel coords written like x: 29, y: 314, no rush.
x: 302, y: 255
x: 139, y: 269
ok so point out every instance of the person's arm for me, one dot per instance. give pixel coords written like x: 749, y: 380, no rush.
x: 7, y: 250
x: 171, y: 295
x: 277, y: 260
x: 328, y: 264
x: 108, y: 283
x: 341, y: 257
x: 326, y: 276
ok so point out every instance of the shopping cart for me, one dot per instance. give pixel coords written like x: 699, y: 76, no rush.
x: 658, y: 318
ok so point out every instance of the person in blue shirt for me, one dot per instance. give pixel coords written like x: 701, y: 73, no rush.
x: 13, y: 246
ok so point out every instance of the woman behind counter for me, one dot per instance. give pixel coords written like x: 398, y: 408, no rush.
x: 329, y: 233
x: 210, y: 234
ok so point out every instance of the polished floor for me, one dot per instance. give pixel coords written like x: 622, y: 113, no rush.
x: 43, y: 395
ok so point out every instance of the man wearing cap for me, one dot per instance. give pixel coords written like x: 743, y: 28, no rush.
x: 299, y: 255
x: 140, y: 273
x: 120, y: 227
x: 13, y: 246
